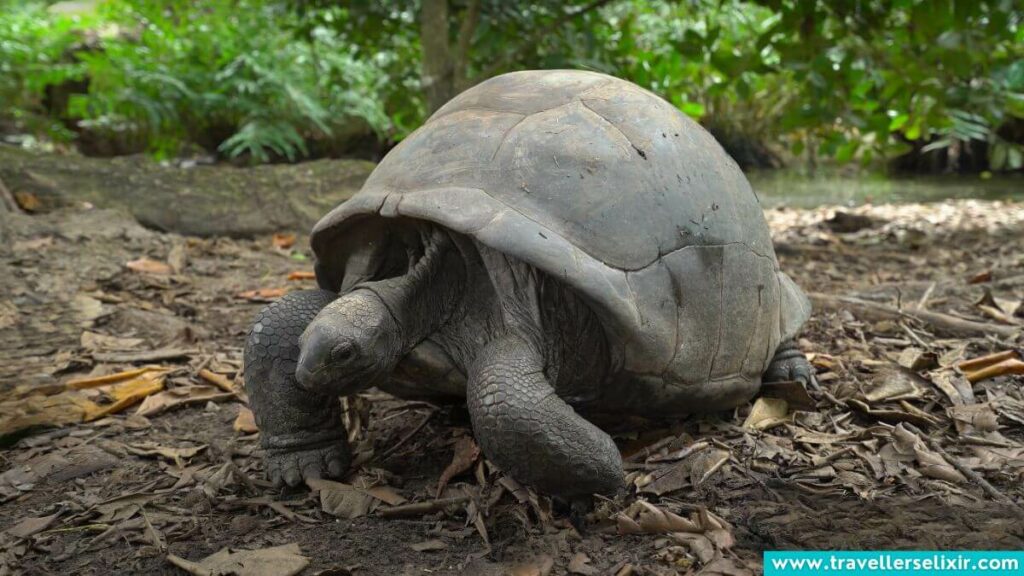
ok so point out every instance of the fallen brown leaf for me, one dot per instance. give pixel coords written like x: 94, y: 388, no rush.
x: 432, y: 545
x: 149, y: 266
x: 283, y: 241
x: 767, y: 413
x: 342, y: 500
x: 181, y: 396
x: 286, y: 560
x: 466, y: 453
x: 80, y: 400
x: 176, y: 455
x: 245, y: 422
x: 30, y: 526
x: 263, y: 294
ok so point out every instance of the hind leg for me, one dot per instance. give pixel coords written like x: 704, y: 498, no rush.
x: 301, y: 431
x: 789, y: 363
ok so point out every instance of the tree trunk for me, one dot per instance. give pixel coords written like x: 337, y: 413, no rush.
x: 200, y: 201
x: 438, y: 70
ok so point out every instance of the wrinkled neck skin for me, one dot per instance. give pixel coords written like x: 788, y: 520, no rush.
x: 422, y: 300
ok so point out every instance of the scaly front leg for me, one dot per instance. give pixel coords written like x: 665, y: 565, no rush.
x: 300, y: 430
x: 532, y: 434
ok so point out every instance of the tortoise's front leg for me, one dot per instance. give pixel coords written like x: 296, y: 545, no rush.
x: 789, y: 363
x: 301, y: 431
x: 532, y: 434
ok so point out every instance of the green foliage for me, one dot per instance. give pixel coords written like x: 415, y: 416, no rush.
x: 890, y: 75
x: 229, y: 74
x: 34, y: 50
x: 267, y: 79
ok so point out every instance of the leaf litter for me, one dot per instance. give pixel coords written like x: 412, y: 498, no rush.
x: 914, y: 435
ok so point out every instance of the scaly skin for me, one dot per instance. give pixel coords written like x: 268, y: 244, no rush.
x: 528, y: 431
x: 789, y: 363
x: 301, y: 430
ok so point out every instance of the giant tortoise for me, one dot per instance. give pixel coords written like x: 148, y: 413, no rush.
x: 548, y: 246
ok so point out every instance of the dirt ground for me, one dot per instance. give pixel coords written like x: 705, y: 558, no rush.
x: 901, y: 445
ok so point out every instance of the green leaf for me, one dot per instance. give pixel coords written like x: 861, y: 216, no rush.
x: 898, y: 122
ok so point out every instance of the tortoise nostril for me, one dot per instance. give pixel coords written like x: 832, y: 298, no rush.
x: 315, y: 353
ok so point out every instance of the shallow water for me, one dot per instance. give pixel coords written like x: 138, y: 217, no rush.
x: 798, y: 190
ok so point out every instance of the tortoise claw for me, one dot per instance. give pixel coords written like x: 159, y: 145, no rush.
x: 293, y: 467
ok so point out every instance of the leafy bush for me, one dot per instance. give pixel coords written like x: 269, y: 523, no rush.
x: 268, y: 79
x: 231, y: 75
x: 35, y: 50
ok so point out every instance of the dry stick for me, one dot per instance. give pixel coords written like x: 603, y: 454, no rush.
x: 980, y: 362
x: 647, y: 451
x: 146, y: 356
x: 927, y: 294
x: 421, y: 508
x: 218, y: 380
x: 945, y: 322
x: 964, y: 469
x: 1011, y: 366
x: 406, y: 438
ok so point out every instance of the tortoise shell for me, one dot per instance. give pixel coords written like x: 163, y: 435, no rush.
x: 612, y: 190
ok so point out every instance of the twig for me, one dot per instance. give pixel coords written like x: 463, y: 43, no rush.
x: 218, y: 380
x: 421, y: 508
x: 975, y: 364
x: 147, y: 356
x: 646, y: 452
x: 941, y: 321
x: 964, y: 469
x: 913, y: 336
x: 927, y: 294
x: 406, y: 438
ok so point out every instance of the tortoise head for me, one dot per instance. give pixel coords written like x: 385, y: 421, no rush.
x: 351, y: 345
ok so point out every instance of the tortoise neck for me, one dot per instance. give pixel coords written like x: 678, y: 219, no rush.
x: 423, y: 299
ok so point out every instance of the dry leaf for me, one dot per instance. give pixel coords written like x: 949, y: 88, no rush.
x: 181, y: 396
x: 579, y: 564
x: 149, y: 266
x: 30, y: 526
x: 283, y: 241
x: 218, y: 380
x: 177, y: 258
x: 342, y: 500
x: 176, y: 455
x: 929, y: 463
x: 80, y: 400
x: 284, y: 560
x: 792, y: 391
x: 429, y: 545
x: 766, y: 413
x: 645, y: 518
x: 263, y: 294
x: 386, y: 494
x: 95, y: 341
x: 893, y: 382
x: 245, y: 422
x: 971, y: 417
x: 301, y: 275
x: 466, y: 453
